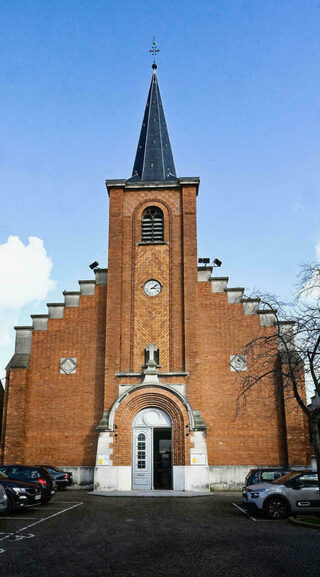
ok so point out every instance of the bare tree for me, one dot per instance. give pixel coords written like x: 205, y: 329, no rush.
x: 289, y: 353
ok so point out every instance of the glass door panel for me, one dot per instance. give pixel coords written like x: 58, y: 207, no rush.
x: 142, y: 474
x: 162, y: 458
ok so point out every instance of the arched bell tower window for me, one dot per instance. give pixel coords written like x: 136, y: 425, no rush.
x: 152, y: 229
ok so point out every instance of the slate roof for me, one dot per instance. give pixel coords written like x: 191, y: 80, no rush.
x: 154, y: 159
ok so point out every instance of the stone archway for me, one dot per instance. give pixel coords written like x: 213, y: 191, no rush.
x: 113, y: 471
x: 144, y: 398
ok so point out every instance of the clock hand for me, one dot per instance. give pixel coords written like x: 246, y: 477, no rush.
x: 154, y: 286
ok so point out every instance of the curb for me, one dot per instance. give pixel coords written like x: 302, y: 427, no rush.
x: 303, y: 523
x: 138, y: 494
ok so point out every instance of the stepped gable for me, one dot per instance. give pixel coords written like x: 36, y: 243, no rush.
x: 267, y: 317
x: 21, y: 357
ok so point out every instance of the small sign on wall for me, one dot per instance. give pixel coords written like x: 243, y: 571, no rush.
x: 103, y: 460
x: 238, y: 363
x: 68, y: 365
x: 198, y: 458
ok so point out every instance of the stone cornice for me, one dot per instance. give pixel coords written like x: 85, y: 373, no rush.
x: 161, y: 375
x: 141, y: 185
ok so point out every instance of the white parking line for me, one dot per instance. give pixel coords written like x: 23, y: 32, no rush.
x: 244, y: 511
x: 17, y: 518
x: 13, y: 536
x: 68, y: 502
x: 50, y: 508
x: 50, y: 516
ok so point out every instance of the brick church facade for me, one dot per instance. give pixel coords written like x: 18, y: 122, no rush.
x: 129, y: 382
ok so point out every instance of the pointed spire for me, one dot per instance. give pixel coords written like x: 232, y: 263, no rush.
x: 154, y: 159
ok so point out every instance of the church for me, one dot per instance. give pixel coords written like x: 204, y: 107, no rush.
x: 131, y: 381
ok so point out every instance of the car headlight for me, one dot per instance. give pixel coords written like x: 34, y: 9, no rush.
x: 255, y: 494
x: 19, y: 490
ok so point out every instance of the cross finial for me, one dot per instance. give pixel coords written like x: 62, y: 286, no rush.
x: 151, y: 350
x: 154, y: 51
x: 151, y: 370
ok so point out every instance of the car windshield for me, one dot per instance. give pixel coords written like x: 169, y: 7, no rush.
x: 23, y: 473
x: 285, y: 478
x: 252, y: 478
x: 44, y: 472
x: 3, y: 476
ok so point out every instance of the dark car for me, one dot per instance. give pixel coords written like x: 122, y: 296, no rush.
x: 264, y: 475
x: 37, y: 475
x: 3, y: 499
x: 20, y: 494
x: 63, y: 478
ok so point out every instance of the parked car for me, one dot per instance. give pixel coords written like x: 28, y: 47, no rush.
x: 296, y: 492
x: 3, y: 499
x: 19, y: 494
x: 62, y: 478
x: 37, y: 475
x: 263, y: 475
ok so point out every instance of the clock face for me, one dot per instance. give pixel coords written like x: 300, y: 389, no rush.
x: 152, y: 288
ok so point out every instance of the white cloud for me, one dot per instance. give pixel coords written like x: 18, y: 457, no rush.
x: 7, y: 321
x: 311, y: 290
x: 24, y: 278
x: 24, y: 272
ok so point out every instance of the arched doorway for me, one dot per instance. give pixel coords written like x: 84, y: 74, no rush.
x: 152, y: 450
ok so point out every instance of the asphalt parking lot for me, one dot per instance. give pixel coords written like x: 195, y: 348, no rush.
x: 78, y: 534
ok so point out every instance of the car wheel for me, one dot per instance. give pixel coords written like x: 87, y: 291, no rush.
x: 45, y: 499
x: 276, y: 508
x: 10, y: 504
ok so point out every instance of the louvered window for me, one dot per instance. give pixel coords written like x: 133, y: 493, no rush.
x: 152, y: 225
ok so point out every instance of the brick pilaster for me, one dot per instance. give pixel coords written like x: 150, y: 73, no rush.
x: 190, y: 280
x: 114, y: 296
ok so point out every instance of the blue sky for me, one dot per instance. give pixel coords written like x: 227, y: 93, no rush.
x: 240, y: 87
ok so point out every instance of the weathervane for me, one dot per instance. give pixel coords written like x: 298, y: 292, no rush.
x: 154, y: 51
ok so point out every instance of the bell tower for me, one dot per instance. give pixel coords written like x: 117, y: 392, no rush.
x: 152, y: 295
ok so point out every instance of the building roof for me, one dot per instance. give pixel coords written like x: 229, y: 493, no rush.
x: 154, y: 159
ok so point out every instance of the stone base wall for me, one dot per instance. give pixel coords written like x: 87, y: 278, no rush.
x: 228, y: 478
x: 82, y: 476
x: 232, y: 477
x: 190, y: 478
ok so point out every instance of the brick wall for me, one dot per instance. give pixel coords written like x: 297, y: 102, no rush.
x: 13, y: 425
x: 297, y: 427
x: 257, y: 434
x: 52, y: 417
x: 151, y: 320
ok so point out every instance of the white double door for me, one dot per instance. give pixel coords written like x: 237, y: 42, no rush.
x: 151, y: 450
